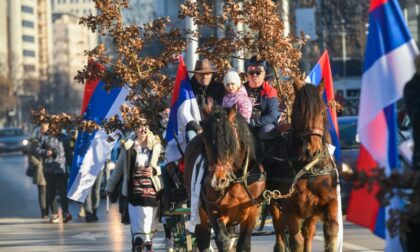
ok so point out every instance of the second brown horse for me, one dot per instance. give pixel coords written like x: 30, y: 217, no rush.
x: 314, y: 196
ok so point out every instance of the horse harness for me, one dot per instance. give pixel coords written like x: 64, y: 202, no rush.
x: 307, y: 170
x: 244, y: 180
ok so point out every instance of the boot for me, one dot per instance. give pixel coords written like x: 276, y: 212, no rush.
x: 138, y: 245
x: 94, y: 216
x: 44, y: 214
x: 88, y: 217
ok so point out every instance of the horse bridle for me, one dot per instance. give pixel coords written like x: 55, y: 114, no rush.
x: 312, y: 132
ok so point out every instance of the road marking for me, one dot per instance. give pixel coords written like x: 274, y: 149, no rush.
x: 349, y: 245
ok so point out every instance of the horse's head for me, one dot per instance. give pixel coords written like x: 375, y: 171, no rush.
x: 308, y: 119
x: 227, y: 141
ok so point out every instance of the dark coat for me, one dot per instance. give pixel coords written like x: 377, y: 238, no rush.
x: 215, y: 90
x: 56, y: 163
x: 269, y: 105
x: 412, y: 103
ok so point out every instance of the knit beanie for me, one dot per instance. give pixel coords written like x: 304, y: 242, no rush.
x: 232, y: 77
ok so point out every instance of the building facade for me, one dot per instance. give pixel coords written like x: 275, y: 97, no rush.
x: 25, y: 39
x: 70, y: 41
x: 78, y: 8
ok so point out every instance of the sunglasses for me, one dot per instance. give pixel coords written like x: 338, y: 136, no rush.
x: 254, y: 72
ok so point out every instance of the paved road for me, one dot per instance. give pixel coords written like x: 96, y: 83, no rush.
x: 21, y: 229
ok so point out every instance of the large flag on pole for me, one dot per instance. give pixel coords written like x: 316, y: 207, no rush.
x: 389, y: 58
x: 184, y: 108
x: 322, y: 72
x: 92, y: 149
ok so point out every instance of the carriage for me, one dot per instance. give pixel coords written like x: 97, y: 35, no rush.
x: 176, y: 210
x: 300, y: 160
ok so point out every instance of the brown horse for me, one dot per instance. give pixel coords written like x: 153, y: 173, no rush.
x: 314, y: 196
x: 232, y: 185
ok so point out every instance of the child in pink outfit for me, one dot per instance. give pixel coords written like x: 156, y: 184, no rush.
x: 236, y: 94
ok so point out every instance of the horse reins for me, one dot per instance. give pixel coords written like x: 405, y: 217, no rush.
x: 307, y: 169
x: 243, y: 180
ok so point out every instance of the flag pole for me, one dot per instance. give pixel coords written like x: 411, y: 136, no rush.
x: 106, y: 179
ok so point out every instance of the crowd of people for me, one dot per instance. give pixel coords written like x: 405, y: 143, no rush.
x: 138, y: 174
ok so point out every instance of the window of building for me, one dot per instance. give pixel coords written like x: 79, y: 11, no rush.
x: 27, y: 9
x: 77, y: 11
x: 353, y: 92
x: 77, y: 1
x: 28, y: 53
x: 71, y: 1
x: 28, y: 68
x: 59, y: 1
x: 28, y: 38
x: 27, y: 23
x: 64, y: 1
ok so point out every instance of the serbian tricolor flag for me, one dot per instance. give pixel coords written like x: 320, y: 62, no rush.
x: 389, y: 64
x: 184, y: 108
x: 322, y: 73
x: 92, y: 149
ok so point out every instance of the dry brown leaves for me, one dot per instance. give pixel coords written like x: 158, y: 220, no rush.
x: 405, y: 185
x: 263, y: 37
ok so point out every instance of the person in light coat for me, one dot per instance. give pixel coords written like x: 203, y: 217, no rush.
x: 138, y: 167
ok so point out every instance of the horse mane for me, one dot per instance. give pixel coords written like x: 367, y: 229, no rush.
x: 220, y: 136
x: 307, y: 107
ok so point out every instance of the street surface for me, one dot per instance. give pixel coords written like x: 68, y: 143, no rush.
x: 22, y: 229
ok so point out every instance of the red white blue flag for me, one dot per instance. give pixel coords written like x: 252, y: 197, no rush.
x: 184, y: 108
x: 389, y: 64
x: 322, y: 72
x: 92, y: 149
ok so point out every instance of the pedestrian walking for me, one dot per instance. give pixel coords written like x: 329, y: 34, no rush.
x: 93, y: 199
x: 138, y: 164
x: 51, y: 151
x: 35, y: 161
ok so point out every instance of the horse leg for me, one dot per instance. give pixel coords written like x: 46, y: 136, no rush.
x: 203, y: 232
x: 278, y: 227
x: 296, y: 238
x: 244, y: 241
x: 221, y: 233
x: 331, y: 227
x: 308, y: 232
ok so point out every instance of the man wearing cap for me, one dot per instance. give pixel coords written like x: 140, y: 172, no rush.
x: 265, y: 111
x: 205, y: 89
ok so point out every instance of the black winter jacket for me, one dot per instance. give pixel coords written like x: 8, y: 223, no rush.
x: 412, y: 103
x: 215, y: 90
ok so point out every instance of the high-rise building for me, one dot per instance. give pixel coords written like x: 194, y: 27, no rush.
x: 70, y: 41
x: 78, y: 8
x: 3, y: 40
x: 25, y: 39
x: 45, y: 40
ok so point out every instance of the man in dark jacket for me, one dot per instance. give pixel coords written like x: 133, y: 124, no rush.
x: 205, y: 90
x: 51, y: 151
x: 412, y: 103
x: 265, y: 111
